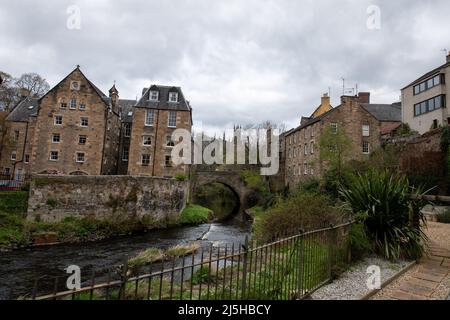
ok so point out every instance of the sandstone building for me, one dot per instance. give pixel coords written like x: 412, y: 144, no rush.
x: 425, y: 100
x: 75, y: 129
x: 362, y: 122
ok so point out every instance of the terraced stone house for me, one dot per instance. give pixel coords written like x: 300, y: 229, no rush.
x: 362, y: 122
x: 75, y: 129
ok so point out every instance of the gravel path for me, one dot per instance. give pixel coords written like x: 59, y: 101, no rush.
x: 352, y: 285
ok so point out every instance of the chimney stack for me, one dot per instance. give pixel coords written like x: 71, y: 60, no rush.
x: 364, y: 97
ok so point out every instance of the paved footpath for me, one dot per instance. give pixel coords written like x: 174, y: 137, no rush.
x: 430, y: 278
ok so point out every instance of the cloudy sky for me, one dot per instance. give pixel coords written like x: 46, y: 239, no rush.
x: 238, y: 61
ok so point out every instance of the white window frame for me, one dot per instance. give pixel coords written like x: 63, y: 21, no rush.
x: 165, y: 161
x: 366, y: 143
x: 171, y: 113
x: 305, y: 168
x: 79, y: 139
x: 76, y: 157
x: 82, y: 106
x: 306, y: 149
x: 151, y: 97
x: 51, y: 154
x: 366, y: 130
x: 73, y: 104
x: 144, y: 139
x: 59, y: 138
x: 81, y: 122
x: 127, y: 152
x: 127, y: 130
x: 27, y: 158
x: 147, y: 113
x: 55, y: 122
x: 171, y: 95
x: 311, y: 148
x: 13, y: 155
x: 334, y: 127
x: 149, y: 159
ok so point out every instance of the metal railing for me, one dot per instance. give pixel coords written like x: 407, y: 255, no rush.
x: 287, y: 268
x: 13, y: 182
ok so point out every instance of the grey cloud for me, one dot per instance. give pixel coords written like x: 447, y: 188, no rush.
x: 237, y: 61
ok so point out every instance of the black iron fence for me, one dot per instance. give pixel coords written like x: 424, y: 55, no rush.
x: 16, y: 182
x: 287, y: 268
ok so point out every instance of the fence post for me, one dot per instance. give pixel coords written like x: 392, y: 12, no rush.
x: 244, y: 268
x: 300, y: 265
x: 332, y: 249
x: 123, y: 279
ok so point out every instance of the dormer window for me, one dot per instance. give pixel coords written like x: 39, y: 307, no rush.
x: 173, y: 97
x: 154, y: 95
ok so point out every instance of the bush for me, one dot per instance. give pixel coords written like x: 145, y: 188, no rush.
x: 195, y: 214
x: 309, y: 186
x: 382, y: 202
x: 181, y: 176
x: 299, y: 211
x: 14, y: 201
x: 359, y: 241
x: 444, y: 217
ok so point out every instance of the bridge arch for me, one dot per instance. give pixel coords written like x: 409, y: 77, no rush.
x: 231, y: 180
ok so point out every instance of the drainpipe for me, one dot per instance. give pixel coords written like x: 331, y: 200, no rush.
x: 156, y: 142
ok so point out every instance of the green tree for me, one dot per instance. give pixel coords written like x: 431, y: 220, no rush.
x: 335, y: 148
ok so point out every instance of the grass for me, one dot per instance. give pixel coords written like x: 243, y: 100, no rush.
x: 146, y: 257
x: 182, y: 250
x: 195, y: 214
x: 14, y: 201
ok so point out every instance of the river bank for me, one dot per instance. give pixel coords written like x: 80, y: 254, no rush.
x: 20, y: 268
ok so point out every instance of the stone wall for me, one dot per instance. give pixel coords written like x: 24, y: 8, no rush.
x: 53, y: 198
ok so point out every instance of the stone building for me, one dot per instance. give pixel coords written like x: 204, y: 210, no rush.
x: 362, y: 122
x: 160, y: 111
x: 425, y: 100
x: 16, y: 138
x: 75, y: 129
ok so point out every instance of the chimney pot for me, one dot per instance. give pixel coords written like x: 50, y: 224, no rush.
x: 364, y: 97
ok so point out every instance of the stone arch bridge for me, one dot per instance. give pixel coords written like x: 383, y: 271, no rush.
x: 230, y: 179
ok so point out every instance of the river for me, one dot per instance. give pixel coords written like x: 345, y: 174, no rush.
x: 19, y: 269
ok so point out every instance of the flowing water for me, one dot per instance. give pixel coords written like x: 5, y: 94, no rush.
x: 19, y: 269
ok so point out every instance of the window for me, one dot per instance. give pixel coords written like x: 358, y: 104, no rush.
x: 147, y: 141
x: 80, y: 157
x: 435, y: 124
x: 127, y: 130
x: 14, y: 155
x: 312, y: 147
x: 154, y: 95
x: 145, y: 159
x: 366, y: 147
x: 172, y: 119
x: 73, y: 104
x: 149, y: 117
x: 306, y: 149
x: 56, y: 138
x: 295, y: 152
x: 27, y: 158
x: 16, y: 135
x: 173, y: 97
x: 170, y: 142
x: 7, y: 171
x: 54, y: 155
x: 168, y: 161
x: 429, y: 105
x: 82, y: 140
x: 63, y: 104
x: 82, y: 106
x: 311, y: 171
x: 334, y: 127
x: 312, y: 131
x: 125, y: 154
x: 366, y: 130
x: 58, y: 120
x: 295, y: 138
x: 84, y: 122
x: 305, y: 168
x: 428, y: 84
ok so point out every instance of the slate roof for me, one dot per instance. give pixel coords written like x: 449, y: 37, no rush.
x: 127, y: 107
x: 163, y: 103
x: 23, y: 111
x: 384, y: 112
